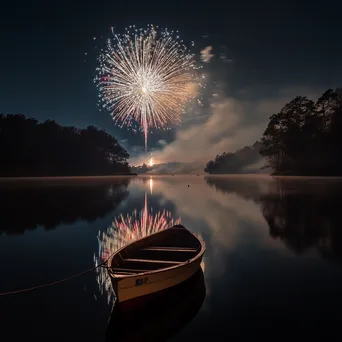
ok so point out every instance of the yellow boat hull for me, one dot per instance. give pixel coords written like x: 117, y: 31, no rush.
x: 144, y: 284
x: 155, y: 263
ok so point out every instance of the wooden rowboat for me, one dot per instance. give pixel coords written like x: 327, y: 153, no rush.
x: 155, y: 263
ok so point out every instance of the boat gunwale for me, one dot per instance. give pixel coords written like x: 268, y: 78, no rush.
x: 160, y: 270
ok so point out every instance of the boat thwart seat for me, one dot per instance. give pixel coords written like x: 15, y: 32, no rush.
x: 154, y: 261
x: 170, y: 249
x: 127, y: 270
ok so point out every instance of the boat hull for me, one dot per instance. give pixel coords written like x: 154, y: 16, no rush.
x: 178, y: 305
x: 132, y: 290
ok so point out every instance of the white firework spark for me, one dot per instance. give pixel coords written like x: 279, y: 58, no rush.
x: 147, y: 76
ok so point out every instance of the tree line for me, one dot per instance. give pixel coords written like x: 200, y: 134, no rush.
x: 235, y: 162
x: 303, y: 138
x: 140, y: 169
x: 29, y: 148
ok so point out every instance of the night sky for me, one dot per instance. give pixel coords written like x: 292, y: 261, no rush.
x: 274, y: 46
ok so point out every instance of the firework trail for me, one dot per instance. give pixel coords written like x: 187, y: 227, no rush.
x: 146, y: 76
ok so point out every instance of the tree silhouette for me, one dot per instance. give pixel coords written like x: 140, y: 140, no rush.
x: 234, y: 162
x: 48, y: 149
x: 303, y: 138
x: 140, y: 169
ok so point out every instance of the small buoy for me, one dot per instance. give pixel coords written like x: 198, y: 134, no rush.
x: 188, y: 185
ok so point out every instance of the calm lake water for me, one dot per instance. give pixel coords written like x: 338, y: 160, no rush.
x: 272, y: 268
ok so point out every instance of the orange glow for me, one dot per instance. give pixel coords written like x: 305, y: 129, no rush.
x: 151, y: 185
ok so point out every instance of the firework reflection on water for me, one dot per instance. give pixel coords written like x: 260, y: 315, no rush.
x: 124, y: 230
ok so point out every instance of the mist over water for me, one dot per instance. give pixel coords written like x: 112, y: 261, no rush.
x: 273, y: 258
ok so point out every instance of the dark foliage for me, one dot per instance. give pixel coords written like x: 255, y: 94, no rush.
x: 28, y: 204
x: 304, y: 138
x: 235, y: 162
x: 29, y: 148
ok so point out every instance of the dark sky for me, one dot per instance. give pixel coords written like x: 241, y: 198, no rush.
x: 43, y: 43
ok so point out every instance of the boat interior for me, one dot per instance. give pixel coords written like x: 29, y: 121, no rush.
x: 172, y: 247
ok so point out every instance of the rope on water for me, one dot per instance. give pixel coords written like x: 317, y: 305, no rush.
x: 102, y: 264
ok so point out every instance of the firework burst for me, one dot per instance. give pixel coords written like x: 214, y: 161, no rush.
x: 147, y: 76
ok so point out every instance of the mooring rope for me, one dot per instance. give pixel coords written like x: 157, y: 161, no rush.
x: 102, y: 264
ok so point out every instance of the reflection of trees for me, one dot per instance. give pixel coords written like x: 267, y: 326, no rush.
x: 303, y: 213
x: 42, y: 203
x: 247, y: 187
x: 124, y: 230
x: 306, y: 215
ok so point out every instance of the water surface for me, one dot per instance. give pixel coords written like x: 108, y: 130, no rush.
x: 272, y: 268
